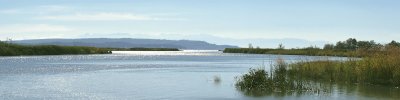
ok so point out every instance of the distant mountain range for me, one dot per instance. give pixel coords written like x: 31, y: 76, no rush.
x: 127, y: 43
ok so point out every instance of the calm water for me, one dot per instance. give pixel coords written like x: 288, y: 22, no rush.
x: 179, y: 75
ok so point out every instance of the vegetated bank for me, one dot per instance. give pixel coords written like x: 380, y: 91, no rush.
x: 379, y: 67
x: 348, y: 48
x: 144, y: 49
x: 9, y: 49
x: 302, y: 51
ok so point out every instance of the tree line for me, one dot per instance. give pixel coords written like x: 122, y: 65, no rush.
x: 349, y: 47
x: 353, y: 44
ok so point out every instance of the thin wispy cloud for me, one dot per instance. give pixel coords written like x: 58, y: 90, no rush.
x: 44, y: 9
x: 103, y: 17
x: 33, y: 28
x: 68, y: 13
x: 10, y: 11
x: 55, y: 8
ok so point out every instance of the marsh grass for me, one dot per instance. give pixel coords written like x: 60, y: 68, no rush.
x: 259, y: 82
x: 381, y: 68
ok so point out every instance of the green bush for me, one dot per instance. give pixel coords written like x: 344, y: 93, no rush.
x: 257, y: 82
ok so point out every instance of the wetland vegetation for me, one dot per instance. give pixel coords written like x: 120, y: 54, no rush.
x: 348, y: 48
x: 379, y: 66
x: 10, y: 49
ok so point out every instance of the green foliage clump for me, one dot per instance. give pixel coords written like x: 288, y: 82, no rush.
x: 257, y: 82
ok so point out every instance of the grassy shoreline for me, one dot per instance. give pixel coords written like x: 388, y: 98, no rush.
x: 144, y: 49
x: 8, y: 49
x: 308, y: 52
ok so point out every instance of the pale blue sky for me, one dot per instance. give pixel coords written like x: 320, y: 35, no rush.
x: 211, y: 20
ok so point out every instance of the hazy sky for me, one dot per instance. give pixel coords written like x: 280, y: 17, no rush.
x: 313, y: 20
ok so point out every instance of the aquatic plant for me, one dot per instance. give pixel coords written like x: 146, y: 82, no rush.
x: 217, y: 79
x: 255, y: 82
x: 258, y: 82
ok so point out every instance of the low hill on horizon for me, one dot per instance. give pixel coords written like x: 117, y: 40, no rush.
x: 127, y: 43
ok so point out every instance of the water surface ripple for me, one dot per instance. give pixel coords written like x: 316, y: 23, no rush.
x: 176, y: 75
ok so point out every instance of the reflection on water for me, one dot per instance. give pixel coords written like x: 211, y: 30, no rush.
x: 348, y: 91
x: 177, y: 75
